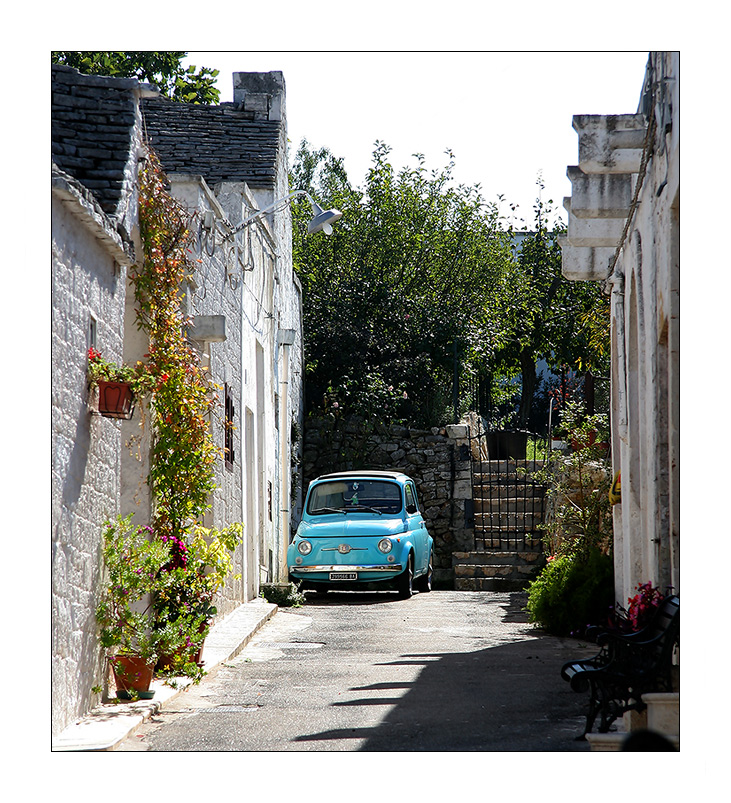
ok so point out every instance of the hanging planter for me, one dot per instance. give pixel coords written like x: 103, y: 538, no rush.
x: 116, y: 399
x: 115, y: 384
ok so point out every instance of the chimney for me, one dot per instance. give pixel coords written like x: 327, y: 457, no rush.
x: 260, y: 93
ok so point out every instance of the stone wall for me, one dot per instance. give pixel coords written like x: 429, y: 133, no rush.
x: 578, y: 486
x: 88, y: 294
x: 437, y: 459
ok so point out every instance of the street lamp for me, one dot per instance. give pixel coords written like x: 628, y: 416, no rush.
x: 322, y: 220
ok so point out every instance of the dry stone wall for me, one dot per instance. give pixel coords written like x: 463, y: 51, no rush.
x: 437, y: 459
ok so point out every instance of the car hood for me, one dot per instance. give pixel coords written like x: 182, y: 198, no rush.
x: 343, y: 526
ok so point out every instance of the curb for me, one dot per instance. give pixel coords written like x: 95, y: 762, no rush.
x: 107, y: 725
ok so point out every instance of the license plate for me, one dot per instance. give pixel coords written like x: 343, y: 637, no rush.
x: 343, y: 575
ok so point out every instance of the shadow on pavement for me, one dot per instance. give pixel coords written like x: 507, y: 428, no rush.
x: 352, y: 597
x: 508, y: 697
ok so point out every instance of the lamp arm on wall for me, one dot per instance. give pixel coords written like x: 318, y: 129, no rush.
x: 321, y: 221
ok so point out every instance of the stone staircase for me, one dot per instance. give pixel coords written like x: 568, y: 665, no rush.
x: 508, y: 509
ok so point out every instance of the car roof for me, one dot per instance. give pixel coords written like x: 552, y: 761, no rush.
x: 390, y: 475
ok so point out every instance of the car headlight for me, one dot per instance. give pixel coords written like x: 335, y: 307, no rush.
x: 304, y: 547
x: 385, y: 545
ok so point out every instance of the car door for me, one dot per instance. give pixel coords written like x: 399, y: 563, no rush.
x: 417, y: 528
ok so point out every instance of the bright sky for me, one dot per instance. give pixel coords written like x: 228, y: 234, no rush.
x: 505, y: 115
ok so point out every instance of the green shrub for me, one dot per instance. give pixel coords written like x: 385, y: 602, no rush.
x: 284, y: 595
x: 572, y: 592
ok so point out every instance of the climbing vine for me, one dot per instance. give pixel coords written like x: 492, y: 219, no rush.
x: 183, y: 454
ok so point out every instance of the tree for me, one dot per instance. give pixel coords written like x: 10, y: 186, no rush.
x: 547, y: 317
x: 160, y: 67
x: 409, y: 274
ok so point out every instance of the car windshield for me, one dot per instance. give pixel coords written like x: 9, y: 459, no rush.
x: 345, y: 496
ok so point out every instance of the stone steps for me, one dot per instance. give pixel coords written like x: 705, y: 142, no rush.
x: 506, y: 466
x: 507, y: 509
x: 508, y: 522
x: 508, y: 491
x: 502, y: 479
x: 508, y: 504
x: 495, y: 570
x: 507, y: 542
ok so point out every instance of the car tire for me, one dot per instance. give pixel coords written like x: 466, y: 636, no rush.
x: 423, y: 584
x: 406, y: 579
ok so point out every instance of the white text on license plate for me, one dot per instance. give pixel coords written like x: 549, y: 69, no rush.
x: 343, y: 575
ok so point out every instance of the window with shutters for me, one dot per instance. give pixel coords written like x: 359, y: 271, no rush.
x: 228, y: 442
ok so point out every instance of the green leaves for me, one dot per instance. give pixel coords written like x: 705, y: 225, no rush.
x: 545, y: 316
x: 183, y: 454
x: 134, y: 562
x: 162, y: 68
x: 411, y: 268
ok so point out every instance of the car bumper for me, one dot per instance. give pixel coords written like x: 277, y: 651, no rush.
x: 392, y: 568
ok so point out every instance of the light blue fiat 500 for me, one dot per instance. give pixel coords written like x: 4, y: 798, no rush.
x: 362, y: 530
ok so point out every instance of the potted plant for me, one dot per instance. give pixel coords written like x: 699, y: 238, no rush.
x: 133, y: 562
x: 504, y: 439
x: 577, y: 583
x: 200, y: 563
x: 116, y: 385
x: 592, y: 435
x: 640, y: 609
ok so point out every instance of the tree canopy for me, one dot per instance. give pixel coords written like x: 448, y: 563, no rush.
x: 410, y: 273
x: 420, y: 273
x: 545, y: 316
x: 160, y: 67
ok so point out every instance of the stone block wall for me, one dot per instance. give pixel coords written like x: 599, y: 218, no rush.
x: 213, y: 302
x: 85, y: 449
x: 437, y: 459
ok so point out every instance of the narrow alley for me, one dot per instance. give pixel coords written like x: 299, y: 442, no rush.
x: 446, y: 671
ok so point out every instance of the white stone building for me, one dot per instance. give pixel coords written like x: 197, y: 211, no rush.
x: 238, y: 152
x: 245, y: 304
x: 93, y: 215
x: 624, y: 227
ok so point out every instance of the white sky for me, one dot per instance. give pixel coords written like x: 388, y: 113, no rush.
x: 505, y: 115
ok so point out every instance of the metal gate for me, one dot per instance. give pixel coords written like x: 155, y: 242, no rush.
x: 508, y: 499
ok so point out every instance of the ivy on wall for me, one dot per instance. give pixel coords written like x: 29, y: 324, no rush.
x: 183, y: 453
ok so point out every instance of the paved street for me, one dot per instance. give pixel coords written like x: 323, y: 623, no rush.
x: 445, y: 671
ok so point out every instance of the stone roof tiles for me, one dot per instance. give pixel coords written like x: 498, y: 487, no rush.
x: 93, y: 131
x: 220, y: 143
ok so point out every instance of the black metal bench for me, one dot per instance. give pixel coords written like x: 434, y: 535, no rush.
x: 627, y: 666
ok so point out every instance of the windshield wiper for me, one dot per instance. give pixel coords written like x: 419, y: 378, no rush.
x: 365, y: 507
x: 329, y: 510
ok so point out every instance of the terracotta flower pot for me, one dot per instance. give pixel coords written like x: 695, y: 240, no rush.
x: 132, y: 673
x: 116, y: 399
x: 167, y: 661
x: 577, y: 444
